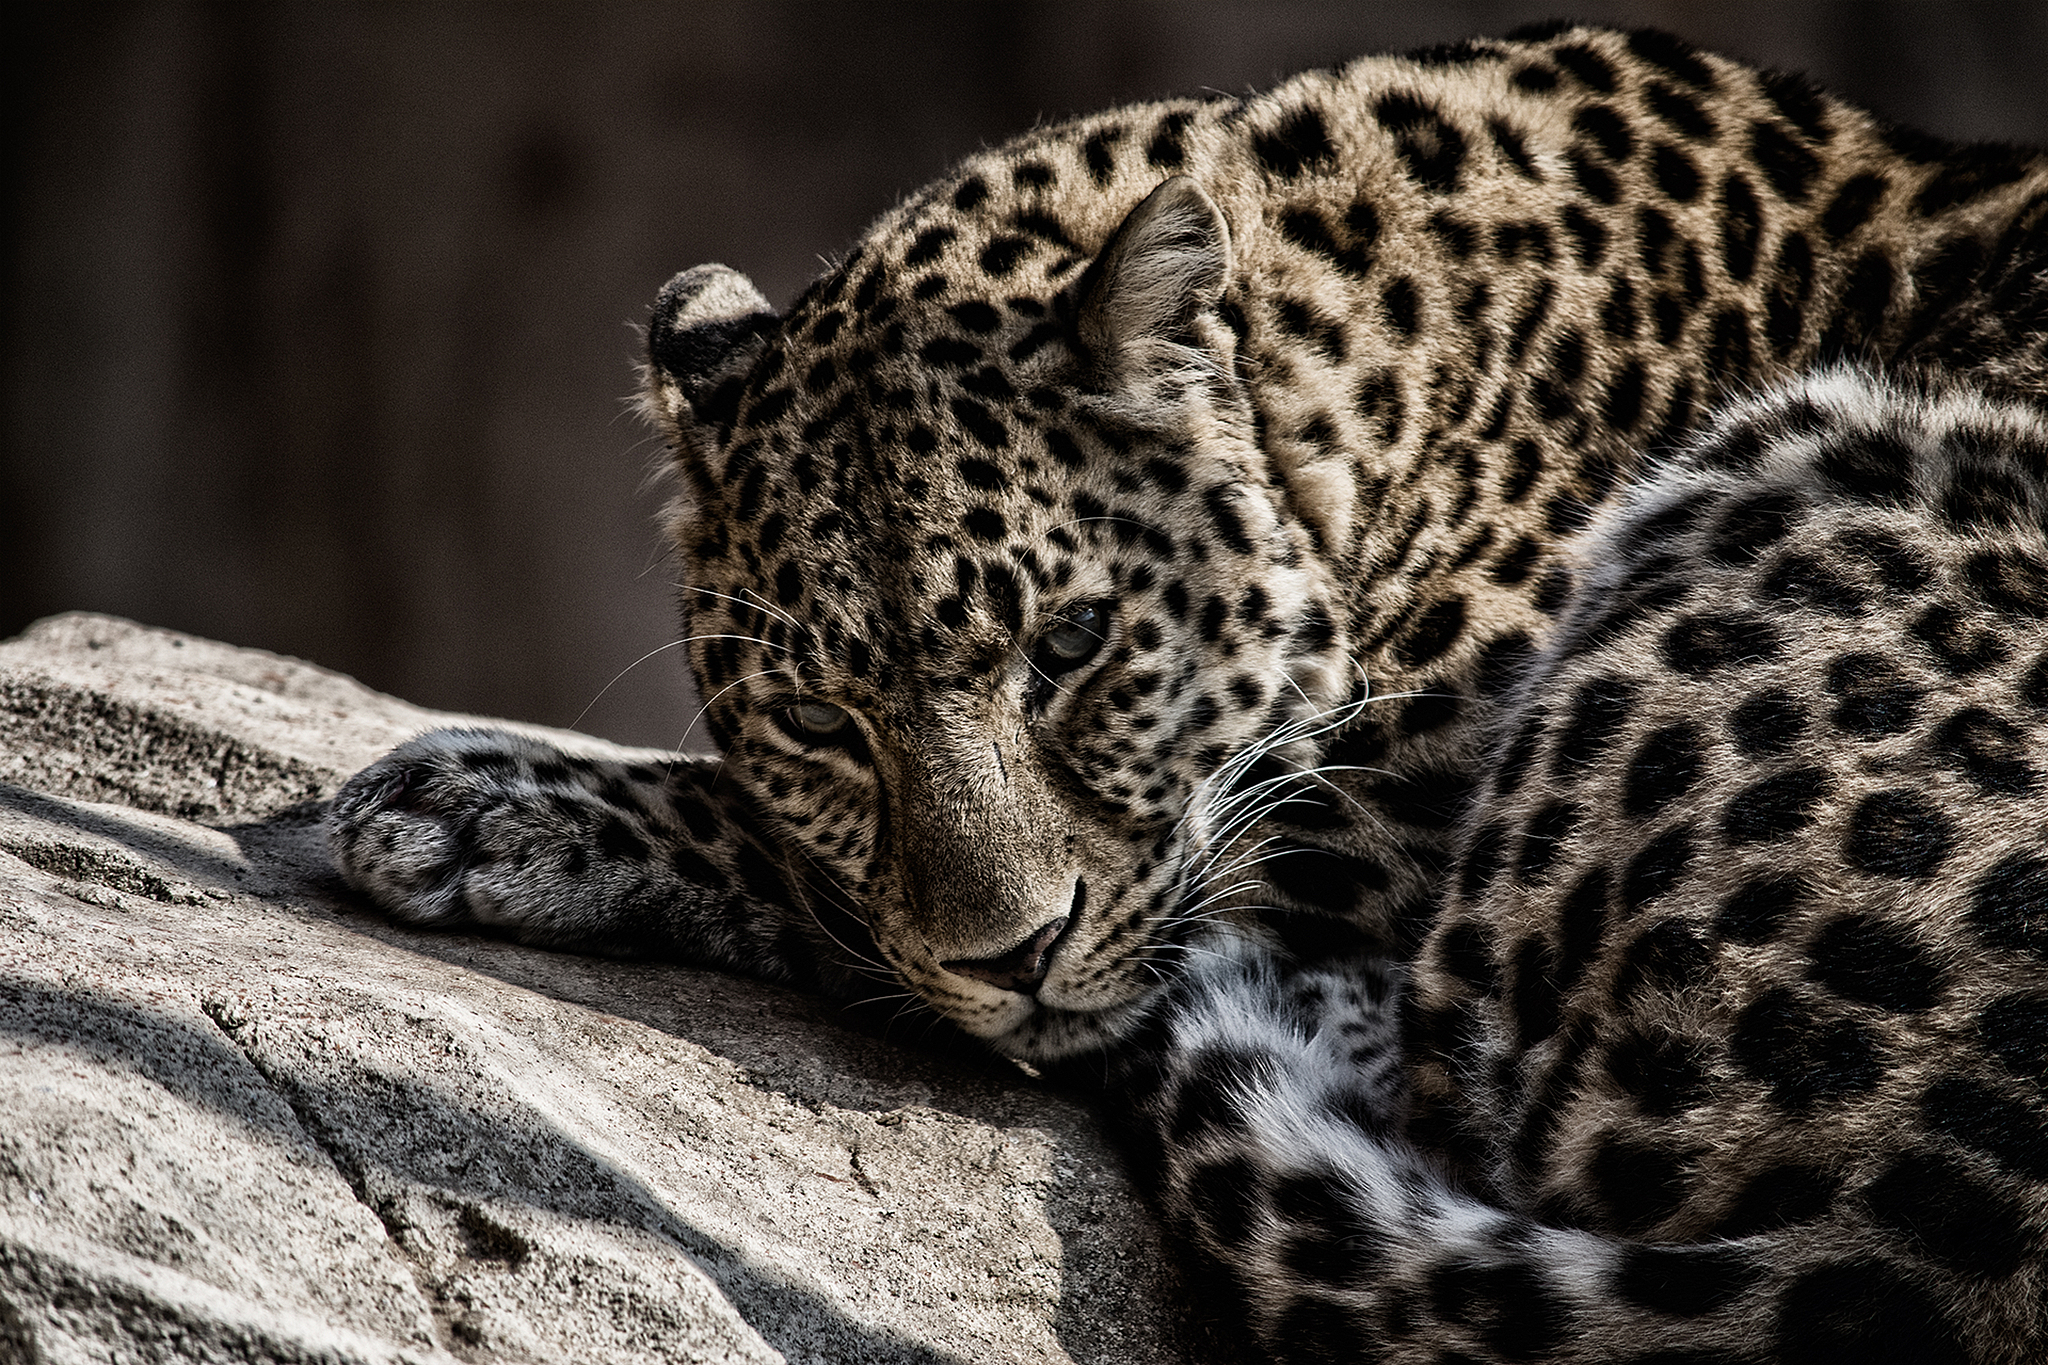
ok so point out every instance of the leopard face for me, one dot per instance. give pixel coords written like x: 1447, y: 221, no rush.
x: 994, y: 646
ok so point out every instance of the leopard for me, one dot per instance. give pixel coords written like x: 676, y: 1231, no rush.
x: 1458, y: 639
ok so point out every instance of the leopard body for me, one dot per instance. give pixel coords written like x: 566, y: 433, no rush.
x: 1469, y: 626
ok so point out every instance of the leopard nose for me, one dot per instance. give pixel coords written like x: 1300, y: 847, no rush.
x: 1022, y: 969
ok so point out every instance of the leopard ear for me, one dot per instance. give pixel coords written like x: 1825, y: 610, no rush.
x: 1167, y: 262
x: 709, y: 323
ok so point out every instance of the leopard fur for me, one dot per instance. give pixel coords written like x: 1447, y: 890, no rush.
x: 1145, y: 600
x: 1732, y: 1038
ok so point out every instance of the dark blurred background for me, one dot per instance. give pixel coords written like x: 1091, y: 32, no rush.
x: 318, y: 316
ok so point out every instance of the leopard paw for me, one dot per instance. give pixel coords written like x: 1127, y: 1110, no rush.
x: 414, y: 829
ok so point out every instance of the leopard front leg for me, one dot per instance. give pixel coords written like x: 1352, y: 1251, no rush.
x: 651, y: 858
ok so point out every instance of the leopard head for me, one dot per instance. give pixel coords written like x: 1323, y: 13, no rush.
x: 995, y: 611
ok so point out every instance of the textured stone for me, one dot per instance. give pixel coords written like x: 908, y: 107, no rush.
x: 250, y: 1120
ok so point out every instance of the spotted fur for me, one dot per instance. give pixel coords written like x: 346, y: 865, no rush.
x: 1145, y: 604
x: 1731, y: 1041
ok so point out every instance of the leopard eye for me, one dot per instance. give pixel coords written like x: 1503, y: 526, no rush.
x: 817, y: 719
x: 1073, y: 638
x: 821, y: 725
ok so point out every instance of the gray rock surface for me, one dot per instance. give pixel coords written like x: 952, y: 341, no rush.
x: 243, y: 1118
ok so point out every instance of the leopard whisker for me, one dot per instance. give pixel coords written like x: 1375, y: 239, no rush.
x: 620, y: 674
x: 1082, y: 521
x: 844, y: 901
x: 1211, y: 905
x: 1213, y: 870
x: 759, y: 604
x: 758, y: 673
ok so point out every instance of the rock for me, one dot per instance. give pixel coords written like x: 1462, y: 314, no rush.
x: 247, y: 1119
